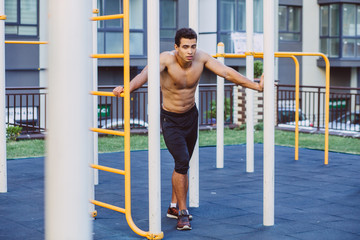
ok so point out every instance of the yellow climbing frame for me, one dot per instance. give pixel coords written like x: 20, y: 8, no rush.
x: 126, y: 134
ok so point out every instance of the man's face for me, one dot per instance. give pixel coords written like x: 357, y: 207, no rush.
x: 187, y: 49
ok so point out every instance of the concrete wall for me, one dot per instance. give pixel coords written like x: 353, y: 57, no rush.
x: 21, y: 65
x: 311, y: 74
x: 208, y: 25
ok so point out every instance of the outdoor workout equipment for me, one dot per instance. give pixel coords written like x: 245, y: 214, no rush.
x: 126, y: 133
x: 220, y: 55
x: 3, y: 165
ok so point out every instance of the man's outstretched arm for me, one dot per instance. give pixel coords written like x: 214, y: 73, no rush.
x: 233, y: 76
x: 142, y: 77
x: 135, y: 83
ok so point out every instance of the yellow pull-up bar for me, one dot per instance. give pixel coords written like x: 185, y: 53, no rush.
x: 26, y: 42
x: 108, y: 55
x: 107, y: 17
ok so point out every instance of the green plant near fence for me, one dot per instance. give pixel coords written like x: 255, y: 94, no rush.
x: 12, y: 132
x: 258, y: 68
x: 212, y: 112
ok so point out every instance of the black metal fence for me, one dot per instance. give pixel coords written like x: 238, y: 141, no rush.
x: 26, y: 107
x: 110, y: 110
x: 344, y: 107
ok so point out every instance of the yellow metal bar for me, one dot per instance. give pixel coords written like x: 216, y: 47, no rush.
x: 26, y: 42
x: 127, y: 163
x: 108, y: 55
x: 107, y: 17
x: 327, y: 102
x: 109, y: 206
x: 297, y: 106
x: 106, y: 131
x: 129, y: 219
x: 108, y: 169
x: 3, y: 17
x: 105, y: 94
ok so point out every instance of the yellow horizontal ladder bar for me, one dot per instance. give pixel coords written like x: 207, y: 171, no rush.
x: 108, y: 169
x: 26, y: 42
x: 109, y: 206
x: 107, y: 131
x: 107, y: 17
x: 105, y: 94
x: 108, y: 55
x: 2, y: 17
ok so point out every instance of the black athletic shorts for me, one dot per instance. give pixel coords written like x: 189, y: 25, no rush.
x: 180, y: 135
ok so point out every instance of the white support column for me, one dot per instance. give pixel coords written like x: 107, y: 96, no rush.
x: 3, y: 165
x: 95, y: 98
x: 276, y: 38
x: 154, y: 116
x: 220, y: 114
x: 94, y: 173
x: 194, y: 162
x: 69, y: 145
x: 269, y: 122
x: 43, y: 59
x: 249, y: 92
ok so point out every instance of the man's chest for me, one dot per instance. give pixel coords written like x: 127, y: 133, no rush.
x: 183, y: 78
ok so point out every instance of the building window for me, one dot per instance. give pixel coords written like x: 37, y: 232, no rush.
x: 289, y: 23
x: 168, y: 19
x: 232, y: 18
x: 110, y: 32
x: 21, y: 18
x: 340, y: 30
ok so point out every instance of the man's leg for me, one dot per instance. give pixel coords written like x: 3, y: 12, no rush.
x: 180, y: 185
x: 173, y: 194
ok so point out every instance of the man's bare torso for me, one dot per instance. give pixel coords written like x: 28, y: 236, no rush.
x: 178, y: 84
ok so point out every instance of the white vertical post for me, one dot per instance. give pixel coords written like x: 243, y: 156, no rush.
x: 276, y: 38
x: 269, y: 151
x: 43, y: 59
x: 220, y: 113
x: 69, y: 145
x: 95, y: 98
x: 154, y: 116
x: 194, y: 162
x: 249, y: 92
x: 94, y: 173
x: 3, y: 165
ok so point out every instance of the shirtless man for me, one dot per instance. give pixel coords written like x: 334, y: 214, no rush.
x: 180, y: 72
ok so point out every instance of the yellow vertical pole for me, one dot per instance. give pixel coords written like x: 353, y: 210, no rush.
x: 327, y: 99
x: 126, y: 30
x: 297, y: 97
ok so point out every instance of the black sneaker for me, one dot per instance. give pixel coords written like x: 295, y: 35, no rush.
x: 174, y: 213
x: 183, y: 221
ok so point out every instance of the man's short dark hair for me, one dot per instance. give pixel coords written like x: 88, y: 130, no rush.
x: 187, y: 33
